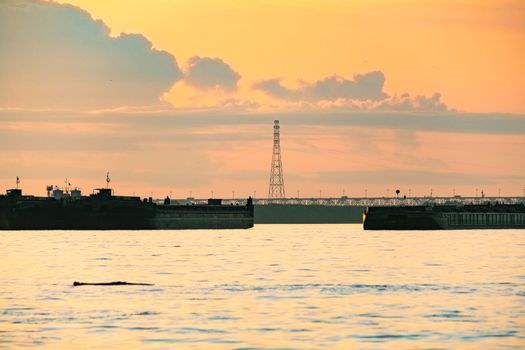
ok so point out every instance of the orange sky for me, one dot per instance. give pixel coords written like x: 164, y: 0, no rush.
x: 371, y: 95
x: 472, y: 52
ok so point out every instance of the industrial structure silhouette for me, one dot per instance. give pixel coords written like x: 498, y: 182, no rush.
x: 276, y: 188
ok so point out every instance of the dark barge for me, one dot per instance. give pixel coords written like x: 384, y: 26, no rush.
x: 105, y: 211
x: 445, y: 217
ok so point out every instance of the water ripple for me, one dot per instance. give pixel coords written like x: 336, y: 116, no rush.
x: 280, y: 287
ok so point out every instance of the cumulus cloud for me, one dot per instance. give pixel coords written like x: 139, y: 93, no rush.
x: 274, y: 87
x: 235, y: 103
x: 363, y: 93
x: 207, y: 73
x: 368, y: 86
x: 417, y: 103
x: 58, y: 56
x: 397, y: 103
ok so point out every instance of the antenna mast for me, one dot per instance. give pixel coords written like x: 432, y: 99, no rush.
x: 276, y: 189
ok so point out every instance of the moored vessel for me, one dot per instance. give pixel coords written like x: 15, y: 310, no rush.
x: 445, y: 217
x: 104, y: 211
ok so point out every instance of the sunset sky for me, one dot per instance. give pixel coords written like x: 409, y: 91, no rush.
x: 180, y: 96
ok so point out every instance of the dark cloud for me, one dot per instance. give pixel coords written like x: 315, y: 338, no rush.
x: 58, y: 56
x: 207, y: 73
x: 368, y: 86
x: 447, y: 122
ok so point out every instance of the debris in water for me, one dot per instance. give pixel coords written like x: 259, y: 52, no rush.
x: 117, y: 283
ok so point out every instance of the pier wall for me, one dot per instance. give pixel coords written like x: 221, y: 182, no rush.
x: 307, y: 214
x: 484, y: 219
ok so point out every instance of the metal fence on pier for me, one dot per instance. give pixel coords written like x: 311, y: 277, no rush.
x: 365, y: 202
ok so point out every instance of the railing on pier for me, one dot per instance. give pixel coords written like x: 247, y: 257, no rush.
x: 365, y: 202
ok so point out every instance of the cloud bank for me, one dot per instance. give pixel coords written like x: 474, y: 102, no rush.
x: 362, y: 93
x: 58, y: 56
x: 368, y: 86
x: 211, y: 73
x: 395, y: 103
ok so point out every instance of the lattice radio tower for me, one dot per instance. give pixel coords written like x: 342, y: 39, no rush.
x: 276, y: 189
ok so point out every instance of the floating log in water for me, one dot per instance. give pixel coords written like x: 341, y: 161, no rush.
x: 117, y: 283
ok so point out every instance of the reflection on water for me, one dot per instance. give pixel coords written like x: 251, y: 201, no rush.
x: 271, y: 287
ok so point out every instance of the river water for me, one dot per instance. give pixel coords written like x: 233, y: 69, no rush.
x: 270, y: 287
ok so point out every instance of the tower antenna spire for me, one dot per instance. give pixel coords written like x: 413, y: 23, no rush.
x: 107, y: 179
x: 276, y: 189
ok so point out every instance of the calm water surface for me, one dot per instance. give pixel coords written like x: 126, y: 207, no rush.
x: 271, y: 287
